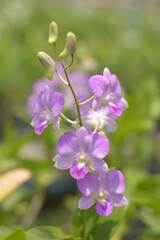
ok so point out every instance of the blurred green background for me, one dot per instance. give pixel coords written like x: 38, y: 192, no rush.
x: 121, y: 35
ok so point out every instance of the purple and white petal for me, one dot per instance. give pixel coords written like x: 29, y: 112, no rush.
x: 98, y: 84
x: 82, y: 133
x: 115, y: 108
x: 115, y: 86
x: 62, y: 162
x: 105, y: 208
x: 123, y: 103
x: 115, y: 182
x: 68, y: 144
x: 96, y: 145
x: 55, y: 103
x: 88, y: 185
x: 78, y: 170
x: 107, y: 73
x: 110, y: 125
x: 85, y: 202
x: 118, y: 200
x: 40, y: 122
x: 56, y: 124
x: 38, y: 104
x: 99, y: 165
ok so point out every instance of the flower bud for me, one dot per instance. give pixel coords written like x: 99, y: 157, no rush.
x: 48, y: 64
x: 53, y: 33
x: 70, y: 45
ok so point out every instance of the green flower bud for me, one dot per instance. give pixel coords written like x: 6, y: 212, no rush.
x: 48, y: 64
x: 53, y: 33
x: 70, y: 45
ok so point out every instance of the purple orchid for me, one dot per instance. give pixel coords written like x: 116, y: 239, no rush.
x: 81, y: 152
x: 105, y: 189
x: 107, y: 90
x: 96, y: 117
x: 77, y: 79
x: 46, y: 109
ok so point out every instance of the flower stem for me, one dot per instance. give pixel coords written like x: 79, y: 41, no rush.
x: 86, y: 101
x: 67, y: 119
x: 80, y: 123
x: 61, y: 78
x: 73, y: 93
x: 70, y: 86
x: 72, y: 59
x: 81, y: 223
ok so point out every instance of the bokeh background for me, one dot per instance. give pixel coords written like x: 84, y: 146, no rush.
x: 121, y: 35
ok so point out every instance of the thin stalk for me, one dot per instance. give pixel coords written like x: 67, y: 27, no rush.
x: 97, y: 127
x: 72, y: 59
x: 80, y: 123
x: 67, y: 119
x: 86, y: 101
x: 81, y: 224
x: 70, y: 86
x: 73, y: 93
x: 61, y: 78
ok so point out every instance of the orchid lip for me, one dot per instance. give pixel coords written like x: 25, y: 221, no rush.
x: 102, y: 198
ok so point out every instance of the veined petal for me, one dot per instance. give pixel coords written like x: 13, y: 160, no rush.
x: 78, y: 170
x: 85, y: 202
x: 118, y: 200
x: 63, y: 162
x: 40, y: 127
x: 68, y: 144
x: 38, y: 105
x: 55, y: 103
x: 104, y: 209
x: 115, y: 182
x: 89, y: 184
x: 40, y: 122
x: 98, y: 165
x: 116, y: 108
x: 97, y: 85
x: 110, y: 125
x: 96, y: 145
x: 115, y: 86
x: 57, y: 123
x: 82, y: 133
x: 106, y: 73
x: 123, y: 103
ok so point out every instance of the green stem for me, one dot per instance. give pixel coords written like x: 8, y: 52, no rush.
x: 81, y: 223
x: 72, y: 59
x: 69, y: 85
x: 73, y: 93
x: 61, y: 78
x: 80, y: 123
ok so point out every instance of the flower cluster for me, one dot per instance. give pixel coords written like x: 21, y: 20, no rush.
x: 83, y: 151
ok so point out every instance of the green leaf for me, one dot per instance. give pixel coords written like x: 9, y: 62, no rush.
x: 107, y: 226
x: 90, y: 237
x: 47, y: 233
x: 90, y: 218
x: 18, y: 234
x: 95, y: 226
x: 5, y: 231
x: 76, y: 223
